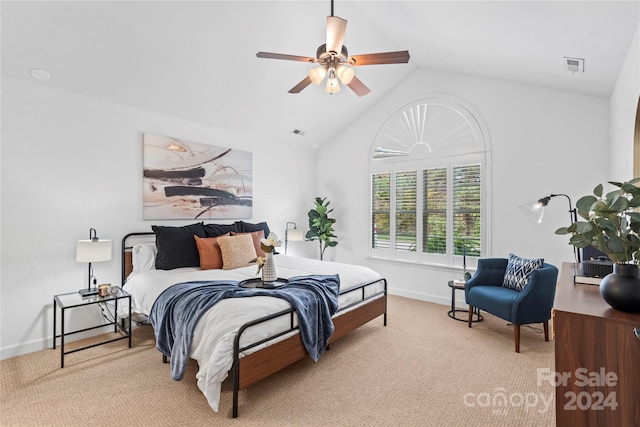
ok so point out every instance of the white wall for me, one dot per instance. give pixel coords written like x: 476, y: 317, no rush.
x: 543, y: 141
x: 623, y: 105
x: 71, y: 162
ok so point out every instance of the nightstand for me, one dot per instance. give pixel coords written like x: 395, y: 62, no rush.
x: 73, y: 300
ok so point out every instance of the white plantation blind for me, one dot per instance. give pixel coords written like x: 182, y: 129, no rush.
x: 406, y: 197
x: 380, y: 210
x: 431, y: 212
x: 434, y: 223
x: 467, y: 221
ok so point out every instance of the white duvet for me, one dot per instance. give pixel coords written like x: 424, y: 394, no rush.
x: 215, y: 332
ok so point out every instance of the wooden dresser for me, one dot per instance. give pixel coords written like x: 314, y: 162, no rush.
x: 597, y: 358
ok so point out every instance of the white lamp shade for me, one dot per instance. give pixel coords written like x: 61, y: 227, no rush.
x: 346, y: 74
x: 317, y: 75
x: 295, y: 235
x: 93, y: 251
x: 332, y: 86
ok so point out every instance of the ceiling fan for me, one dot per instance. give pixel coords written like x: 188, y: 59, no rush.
x: 334, y: 59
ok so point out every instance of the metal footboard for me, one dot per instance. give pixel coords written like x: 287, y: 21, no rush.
x: 237, y: 349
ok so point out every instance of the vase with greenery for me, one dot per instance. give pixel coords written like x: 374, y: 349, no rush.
x: 321, y: 225
x: 611, y: 225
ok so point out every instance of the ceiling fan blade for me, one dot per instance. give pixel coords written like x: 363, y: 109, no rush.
x: 358, y: 87
x: 304, y: 83
x: 336, y: 27
x: 399, y: 57
x: 270, y: 55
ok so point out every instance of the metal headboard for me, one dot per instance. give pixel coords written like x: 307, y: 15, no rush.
x: 127, y: 265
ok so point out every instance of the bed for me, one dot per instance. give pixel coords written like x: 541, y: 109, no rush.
x: 248, y: 338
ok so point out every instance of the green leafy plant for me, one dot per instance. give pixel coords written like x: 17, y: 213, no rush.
x: 610, y: 225
x: 321, y: 226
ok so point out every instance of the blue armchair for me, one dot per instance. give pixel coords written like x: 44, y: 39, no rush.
x: 531, y: 304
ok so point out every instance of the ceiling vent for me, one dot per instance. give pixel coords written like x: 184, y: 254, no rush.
x: 297, y: 132
x: 574, y: 65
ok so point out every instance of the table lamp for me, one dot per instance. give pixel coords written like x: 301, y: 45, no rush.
x: 92, y: 250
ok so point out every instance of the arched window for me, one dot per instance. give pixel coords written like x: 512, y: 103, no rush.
x: 430, y: 175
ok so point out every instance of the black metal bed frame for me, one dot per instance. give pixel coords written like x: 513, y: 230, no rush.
x: 235, y: 369
x: 237, y: 350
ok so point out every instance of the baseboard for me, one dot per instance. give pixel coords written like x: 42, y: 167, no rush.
x: 437, y: 299
x: 37, y: 345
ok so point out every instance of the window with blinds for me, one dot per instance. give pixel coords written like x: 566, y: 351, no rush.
x: 443, y: 207
x: 430, y: 171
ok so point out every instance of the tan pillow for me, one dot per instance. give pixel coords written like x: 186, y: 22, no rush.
x: 209, y: 251
x: 256, y: 236
x: 237, y: 251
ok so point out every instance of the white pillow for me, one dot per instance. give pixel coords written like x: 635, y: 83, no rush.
x: 143, y: 256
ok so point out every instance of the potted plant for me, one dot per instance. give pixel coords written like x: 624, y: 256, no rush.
x: 321, y: 226
x: 611, y: 226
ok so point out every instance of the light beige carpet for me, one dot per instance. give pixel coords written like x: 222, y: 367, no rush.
x: 423, y: 369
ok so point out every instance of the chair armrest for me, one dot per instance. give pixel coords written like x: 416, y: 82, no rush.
x: 537, y: 296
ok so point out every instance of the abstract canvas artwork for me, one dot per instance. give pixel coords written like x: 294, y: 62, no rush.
x: 190, y: 180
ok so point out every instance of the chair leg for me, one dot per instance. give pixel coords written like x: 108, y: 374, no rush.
x: 470, y: 314
x: 545, y: 324
x: 516, y: 332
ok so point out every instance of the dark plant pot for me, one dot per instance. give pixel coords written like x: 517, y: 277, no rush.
x: 621, y: 289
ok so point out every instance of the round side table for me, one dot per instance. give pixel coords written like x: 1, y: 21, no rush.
x: 458, y: 285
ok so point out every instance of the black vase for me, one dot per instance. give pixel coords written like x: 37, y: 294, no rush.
x: 621, y: 289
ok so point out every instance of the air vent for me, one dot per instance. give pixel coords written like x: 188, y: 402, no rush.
x: 574, y: 65
x: 297, y: 132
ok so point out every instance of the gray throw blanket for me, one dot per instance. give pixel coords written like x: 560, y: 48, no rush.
x: 178, y: 308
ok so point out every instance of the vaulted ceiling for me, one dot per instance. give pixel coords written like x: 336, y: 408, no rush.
x: 197, y: 60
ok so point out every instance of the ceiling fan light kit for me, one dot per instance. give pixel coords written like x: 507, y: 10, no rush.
x: 333, y: 57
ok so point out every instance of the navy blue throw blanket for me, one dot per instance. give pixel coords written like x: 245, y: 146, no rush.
x: 178, y: 308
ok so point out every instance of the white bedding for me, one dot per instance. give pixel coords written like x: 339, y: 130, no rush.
x: 212, y: 344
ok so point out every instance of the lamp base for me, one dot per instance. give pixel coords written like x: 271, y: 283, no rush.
x: 90, y: 292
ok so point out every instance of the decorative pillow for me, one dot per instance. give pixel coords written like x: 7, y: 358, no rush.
x: 246, y: 227
x: 143, y: 256
x: 518, y: 271
x: 215, y: 230
x: 210, y: 254
x: 237, y: 251
x: 176, y: 246
x: 256, y: 236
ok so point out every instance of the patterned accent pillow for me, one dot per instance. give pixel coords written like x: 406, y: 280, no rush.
x: 518, y: 271
x: 237, y: 251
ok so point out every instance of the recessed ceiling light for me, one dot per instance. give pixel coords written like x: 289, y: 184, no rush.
x: 40, y: 74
